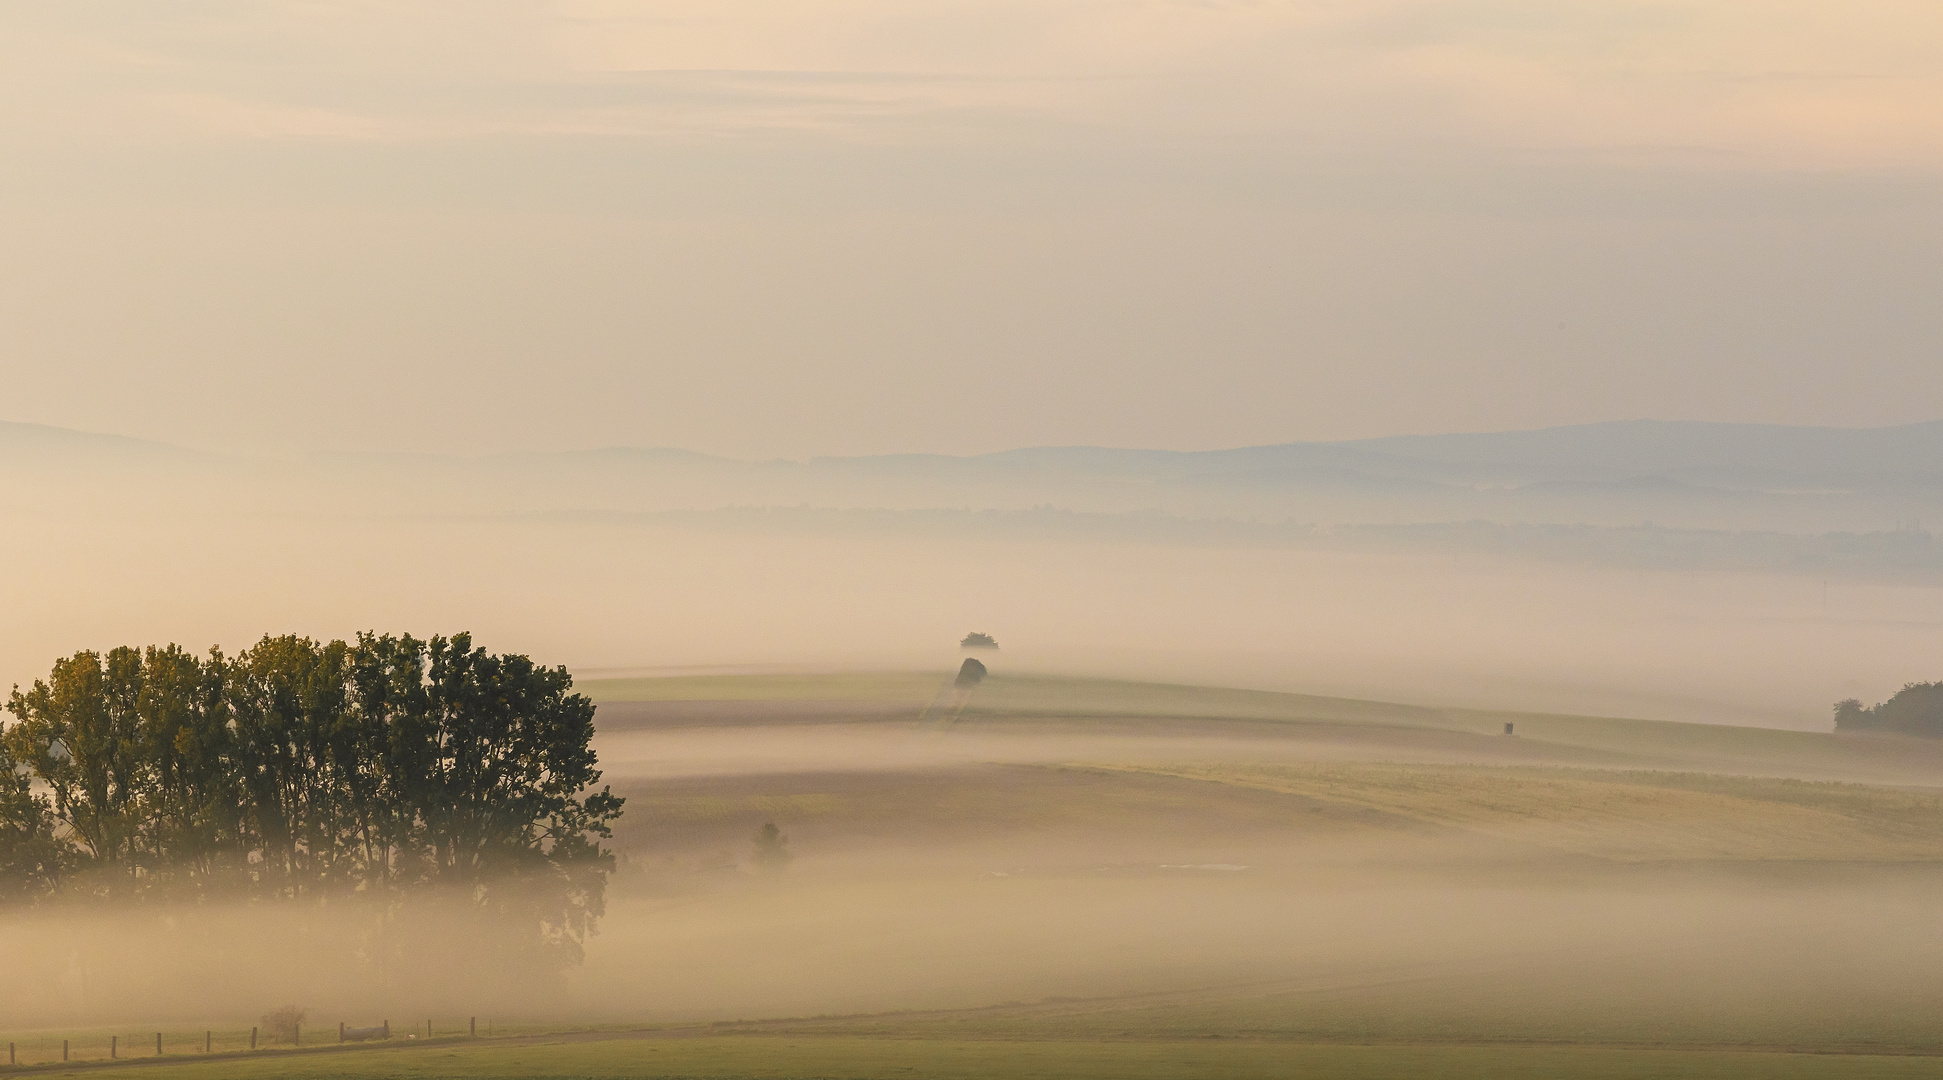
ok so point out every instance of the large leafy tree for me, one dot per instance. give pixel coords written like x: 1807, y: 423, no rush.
x: 31, y: 855
x: 491, y: 780
x: 287, y: 697
x: 78, y: 732
x: 1916, y: 709
x: 193, y: 804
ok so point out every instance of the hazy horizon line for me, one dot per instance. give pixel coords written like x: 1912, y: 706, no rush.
x: 158, y: 444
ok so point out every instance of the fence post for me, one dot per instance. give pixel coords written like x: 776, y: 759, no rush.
x: 428, y: 1029
x: 208, y: 1040
x: 112, y: 1047
x: 158, y: 1044
x: 340, y: 1031
x: 63, y: 1049
x: 10, y: 1059
x: 387, y: 1029
x: 252, y: 1038
x: 297, y: 1034
x: 475, y: 1027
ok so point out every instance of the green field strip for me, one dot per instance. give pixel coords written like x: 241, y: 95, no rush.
x: 813, y: 1058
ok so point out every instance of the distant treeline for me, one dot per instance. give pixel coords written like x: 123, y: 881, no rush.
x: 1917, y: 709
x: 300, y: 769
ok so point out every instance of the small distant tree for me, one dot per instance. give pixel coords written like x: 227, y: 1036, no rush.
x: 978, y: 641
x: 970, y: 673
x: 772, y: 848
x: 282, y: 1024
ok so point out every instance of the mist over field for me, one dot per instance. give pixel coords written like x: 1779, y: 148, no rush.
x: 1086, y: 859
x: 1707, y: 573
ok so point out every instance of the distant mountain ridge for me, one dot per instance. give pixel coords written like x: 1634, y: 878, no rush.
x: 20, y: 441
x: 1637, y: 447
x: 1604, y: 451
x: 1736, y: 455
x: 1607, y: 451
x: 1689, y: 474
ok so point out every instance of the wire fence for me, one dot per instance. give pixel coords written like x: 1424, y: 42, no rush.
x: 53, y: 1046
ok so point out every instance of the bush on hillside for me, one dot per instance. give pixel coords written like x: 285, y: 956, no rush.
x: 1917, y: 709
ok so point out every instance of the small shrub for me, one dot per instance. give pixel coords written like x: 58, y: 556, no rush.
x: 282, y: 1024
x: 772, y: 848
x: 970, y: 673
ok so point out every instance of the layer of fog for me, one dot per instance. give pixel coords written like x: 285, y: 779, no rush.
x: 976, y: 920
x: 1128, y: 922
x: 839, y: 938
x: 1409, y: 626
x: 942, y: 868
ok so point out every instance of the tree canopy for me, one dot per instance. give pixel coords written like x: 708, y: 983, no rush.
x: 970, y: 673
x: 304, y: 770
x: 1917, y: 709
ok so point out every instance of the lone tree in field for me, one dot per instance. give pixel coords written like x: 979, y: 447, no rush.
x: 772, y: 848
x: 978, y: 641
x: 970, y: 674
x: 317, y: 772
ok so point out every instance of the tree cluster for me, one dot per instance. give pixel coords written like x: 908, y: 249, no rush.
x: 1917, y: 709
x: 305, y: 770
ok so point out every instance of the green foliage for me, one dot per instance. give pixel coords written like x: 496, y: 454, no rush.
x: 31, y: 856
x: 977, y: 640
x: 308, y: 770
x: 1917, y: 709
x: 970, y: 673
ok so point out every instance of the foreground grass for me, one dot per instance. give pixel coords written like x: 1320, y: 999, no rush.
x: 786, y: 1057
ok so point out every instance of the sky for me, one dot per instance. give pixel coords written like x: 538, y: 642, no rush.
x: 782, y: 229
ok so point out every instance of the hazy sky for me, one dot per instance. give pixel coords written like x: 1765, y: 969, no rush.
x: 764, y: 228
